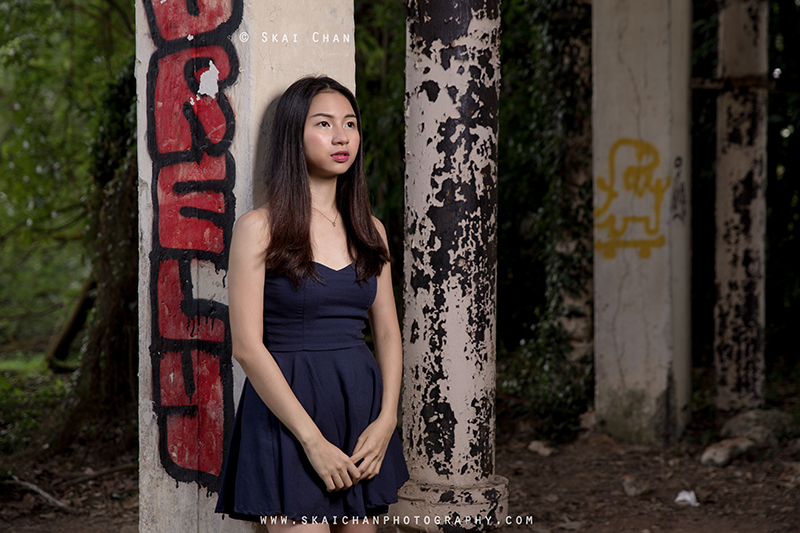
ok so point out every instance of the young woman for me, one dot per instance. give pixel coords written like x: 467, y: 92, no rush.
x: 314, y: 438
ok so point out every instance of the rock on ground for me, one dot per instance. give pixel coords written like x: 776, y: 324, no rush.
x: 763, y: 427
x: 541, y: 447
x: 723, y: 452
x: 794, y: 446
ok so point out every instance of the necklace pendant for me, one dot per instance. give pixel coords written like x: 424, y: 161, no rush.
x: 334, y: 224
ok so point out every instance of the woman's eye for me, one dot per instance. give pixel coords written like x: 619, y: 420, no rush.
x: 323, y: 123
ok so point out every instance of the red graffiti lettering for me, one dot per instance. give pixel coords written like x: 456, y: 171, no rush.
x: 186, y: 218
x: 190, y: 126
x: 173, y: 320
x: 193, y: 438
x: 174, y: 21
x: 175, y: 97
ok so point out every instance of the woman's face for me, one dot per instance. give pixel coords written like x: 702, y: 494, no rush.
x: 330, y: 137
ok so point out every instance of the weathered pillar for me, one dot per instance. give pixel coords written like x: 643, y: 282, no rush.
x: 741, y: 208
x: 207, y: 72
x: 641, y: 65
x: 452, y: 83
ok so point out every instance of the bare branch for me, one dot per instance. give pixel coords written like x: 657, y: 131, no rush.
x: 30, y: 486
x: 114, y: 469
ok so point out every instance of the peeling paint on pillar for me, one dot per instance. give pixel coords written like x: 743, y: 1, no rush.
x: 739, y: 312
x: 451, y: 214
x: 453, y: 74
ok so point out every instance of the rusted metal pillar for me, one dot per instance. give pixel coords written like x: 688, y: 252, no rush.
x: 452, y: 81
x: 739, y: 312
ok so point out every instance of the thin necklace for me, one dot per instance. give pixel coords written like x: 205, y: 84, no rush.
x: 333, y: 222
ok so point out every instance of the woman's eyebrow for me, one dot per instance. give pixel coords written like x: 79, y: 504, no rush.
x: 328, y: 115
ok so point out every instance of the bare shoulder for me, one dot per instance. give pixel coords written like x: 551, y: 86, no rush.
x: 379, y: 226
x: 253, y: 227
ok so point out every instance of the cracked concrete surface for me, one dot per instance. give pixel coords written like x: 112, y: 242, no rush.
x: 641, y: 274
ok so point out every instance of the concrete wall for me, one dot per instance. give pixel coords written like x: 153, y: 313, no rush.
x: 641, y: 67
x: 206, y: 81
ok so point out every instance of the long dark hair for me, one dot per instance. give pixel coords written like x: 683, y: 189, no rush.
x: 289, y: 192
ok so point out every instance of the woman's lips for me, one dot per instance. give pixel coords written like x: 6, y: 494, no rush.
x: 341, y: 157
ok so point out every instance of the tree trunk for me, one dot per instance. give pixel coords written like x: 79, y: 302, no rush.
x: 106, y: 388
x: 59, y: 347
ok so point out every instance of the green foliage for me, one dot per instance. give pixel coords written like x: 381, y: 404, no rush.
x: 55, y: 60
x: 544, y: 100
x: 380, y: 80
x: 542, y: 384
x: 545, y: 246
x: 37, y: 285
x: 28, y: 395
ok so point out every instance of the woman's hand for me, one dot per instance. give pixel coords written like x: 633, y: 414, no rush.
x: 337, y: 470
x: 371, y: 447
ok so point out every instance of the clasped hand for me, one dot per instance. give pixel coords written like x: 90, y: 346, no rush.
x: 337, y: 470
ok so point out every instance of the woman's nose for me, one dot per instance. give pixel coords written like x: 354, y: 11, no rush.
x: 340, y: 135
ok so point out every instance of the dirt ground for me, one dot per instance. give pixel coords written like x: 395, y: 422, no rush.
x: 580, y: 487
x: 103, y: 495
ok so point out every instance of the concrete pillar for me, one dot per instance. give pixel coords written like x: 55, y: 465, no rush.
x: 452, y: 83
x: 641, y: 112
x: 207, y: 72
x: 741, y: 208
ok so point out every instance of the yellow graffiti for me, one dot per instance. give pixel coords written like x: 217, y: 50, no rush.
x: 637, y: 179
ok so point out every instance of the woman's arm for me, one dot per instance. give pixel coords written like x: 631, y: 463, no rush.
x: 371, y: 445
x: 246, y: 274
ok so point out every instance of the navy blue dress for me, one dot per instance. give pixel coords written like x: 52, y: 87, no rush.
x: 315, y: 333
